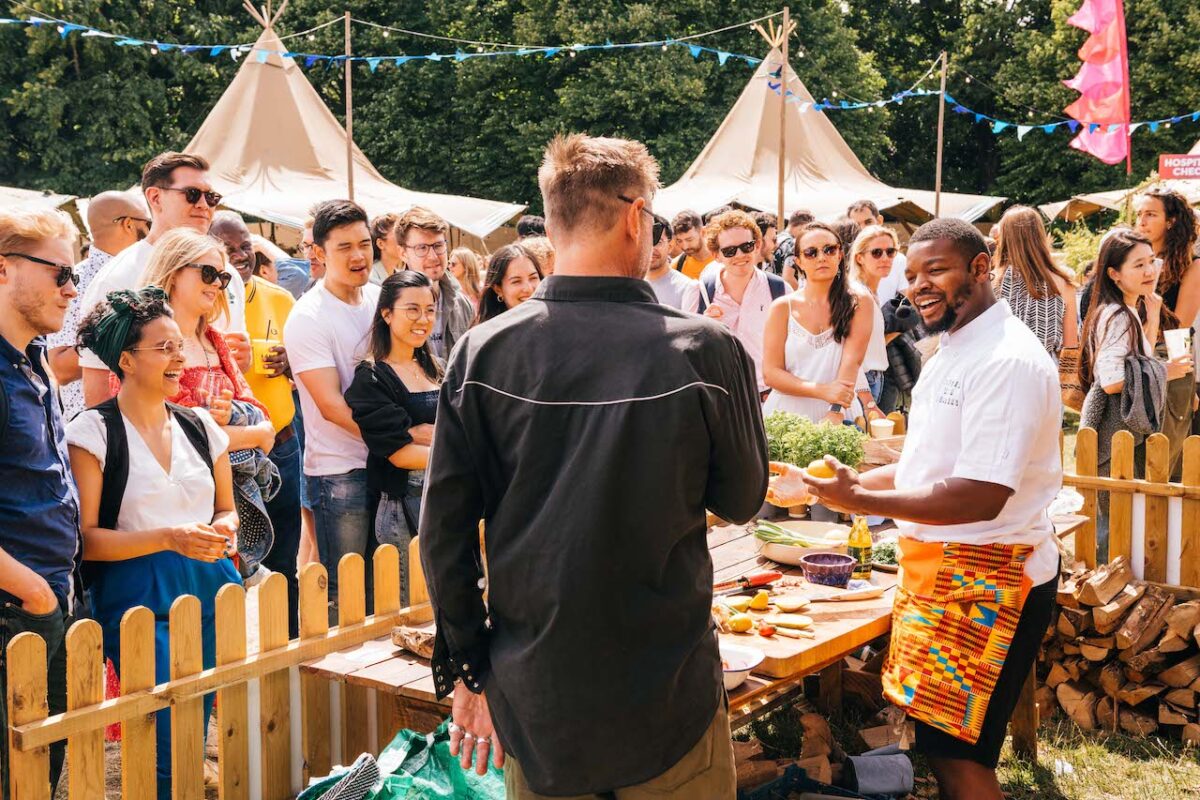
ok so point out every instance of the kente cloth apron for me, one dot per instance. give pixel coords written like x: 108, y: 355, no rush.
x: 956, y: 610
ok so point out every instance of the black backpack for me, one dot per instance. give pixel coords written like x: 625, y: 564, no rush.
x: 708, y: 288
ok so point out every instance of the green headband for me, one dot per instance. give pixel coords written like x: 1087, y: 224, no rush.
x: 111, y: 334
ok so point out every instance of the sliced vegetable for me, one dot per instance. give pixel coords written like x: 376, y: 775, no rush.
x: 761, y: 600
x: 789, y: 621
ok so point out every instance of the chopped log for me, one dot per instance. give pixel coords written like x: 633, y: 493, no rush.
x: 883, y: 735
x: 1132, y: 694
x: 1046, y: 701
x: 1182, y: 674
x: 1184, y: 618
x: 1106, y: 714
x: 747, y: 751
x: 864, y: 687
x: 1058, y: 673
x: 818, y: 739
x: 1075, y: 667
x: 1094, y: 653
x: 1148, y: 662
x: 1191, y: 734
x: 1074, y: 622
x: 1092, y: 676
x: 1111, y: 678
x: 1099, y: 641
x: 1066, y: 589
x: 875, y: 663
x: 1071, y: 649
x: 1183, y: 698
x: 1137, y: 723
x: 1108, y: 617
x: 818, y: 768
x: 1172, y: 643
x: 1196, y: 634
x: 1078, y: 703
x: 755, y: 773
x: 1187, y: 714
x: 1054, y: 652
x: 1135, y: 676
x: 1105, y: 583
x: 1145, y: 622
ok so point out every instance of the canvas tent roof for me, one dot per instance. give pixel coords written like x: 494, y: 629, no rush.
x: 31, y: 198
x: 275, y: 149
x: 822, y: 173
x: 1081, y: 205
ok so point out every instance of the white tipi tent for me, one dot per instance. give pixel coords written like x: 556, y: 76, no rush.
x: 821, y: 173
x: 275, y: 149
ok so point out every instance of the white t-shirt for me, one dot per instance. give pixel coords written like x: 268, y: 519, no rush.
x: 154, y: 499
x: 894, y: 281
x: 676, y: 290
x: 1113, y: 345
x: 875, y: 358
x: 125, y: 271
x: 323, y: 332
x: 987, y: 407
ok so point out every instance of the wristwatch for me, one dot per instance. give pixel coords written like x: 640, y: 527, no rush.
x: 835, y: 408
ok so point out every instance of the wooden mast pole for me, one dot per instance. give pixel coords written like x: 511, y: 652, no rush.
x: 349, y: 117
x: 781, y: 221
x: 937, y: 197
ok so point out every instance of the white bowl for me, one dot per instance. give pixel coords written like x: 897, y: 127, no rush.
x: 737, y: 661
x: 791, y: 555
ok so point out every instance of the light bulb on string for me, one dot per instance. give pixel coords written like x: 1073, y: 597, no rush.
x: 386, y: 34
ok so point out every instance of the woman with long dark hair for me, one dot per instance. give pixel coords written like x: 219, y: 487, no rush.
x: 816, y: 337
x: 513, y: 274
x: 1167, y: 220
x: 1123, y: 319
x: 393, y: 399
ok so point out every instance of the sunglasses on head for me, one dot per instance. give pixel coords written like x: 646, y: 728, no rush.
x: 878, y: 252
x: 732, y: 250
x: 829, y: 250
x: 210, y: 274
x: 66, y: 272
x: 193, y: 195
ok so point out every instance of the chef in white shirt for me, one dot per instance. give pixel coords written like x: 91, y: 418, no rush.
x: 179, y: 193
x: 979, y: 468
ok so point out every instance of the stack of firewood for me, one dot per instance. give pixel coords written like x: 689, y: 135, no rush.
x: 1122, y: 654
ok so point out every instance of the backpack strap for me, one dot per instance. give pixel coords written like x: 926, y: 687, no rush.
x: 777, y: 285
x: 678, y: 265
x: 708, y: 290
x: 116, y: 464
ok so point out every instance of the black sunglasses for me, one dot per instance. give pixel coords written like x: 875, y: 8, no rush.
x: 130, y: 216
x: 193, y: 195
x: 210, y: 274
x: 829, y: 250
x: 66, y: 272
x: 878, y: 252
x: 732, y: 250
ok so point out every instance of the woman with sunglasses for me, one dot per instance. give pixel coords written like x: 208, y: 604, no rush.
x: 464, y: 266
x: 513, y: 274
x: 394, y: 394
x: 733, y: 290
x: 817, y: 337
x: 157, y: 510
x: 1040, y: 293
x: 871, y: 260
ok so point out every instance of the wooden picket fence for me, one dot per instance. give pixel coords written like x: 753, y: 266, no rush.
x: 263, y: 747
x: 1153, y: 522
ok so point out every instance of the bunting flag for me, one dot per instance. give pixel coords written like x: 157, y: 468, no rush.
x: 1103, y: 84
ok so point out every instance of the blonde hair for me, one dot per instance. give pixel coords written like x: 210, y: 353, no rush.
x: 173, y: 252
x: 1021, y: 245
x: 728, y: 221
x: 541, y: 247
x: 860, y: 245
x: 471, y: 266
x: 581, y: 177
x: 21, y: 228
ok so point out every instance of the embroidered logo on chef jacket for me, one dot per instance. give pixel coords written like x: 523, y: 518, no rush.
x: 951, y: 392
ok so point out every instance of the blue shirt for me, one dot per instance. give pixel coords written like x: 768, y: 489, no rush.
x: 293, y: 274
x: 39, y: 504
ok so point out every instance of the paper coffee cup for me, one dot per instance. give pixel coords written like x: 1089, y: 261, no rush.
x: 882, y: 428
x: 1179, y: 342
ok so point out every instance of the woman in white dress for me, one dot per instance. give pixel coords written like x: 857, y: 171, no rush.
x: 872, y: 258
x: 816, y: 337
x: 155, y: 487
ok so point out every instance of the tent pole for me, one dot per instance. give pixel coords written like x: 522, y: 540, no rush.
x: 349, y: 117
x: 781, y: 220
x: 937, y: 197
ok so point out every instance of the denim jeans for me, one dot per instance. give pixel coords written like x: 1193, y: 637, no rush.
x: 345, y: 511
x: 392, y: 524
x: 284, y: 510
x: 52, y: 628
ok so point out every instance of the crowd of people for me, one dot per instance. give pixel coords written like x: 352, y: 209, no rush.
x: 192, y: 406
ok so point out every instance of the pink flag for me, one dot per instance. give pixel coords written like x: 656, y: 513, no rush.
x: 1107, y: 109
x: 1111, y: 148
x: 1095, y: 81
x: 1095, y: 15
x: 1104, y: 45
x: 1102, y: 83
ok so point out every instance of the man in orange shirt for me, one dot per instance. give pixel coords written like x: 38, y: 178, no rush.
x: 689, y: 232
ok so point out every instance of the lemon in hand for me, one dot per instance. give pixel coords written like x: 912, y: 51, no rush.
x: 819, y: 469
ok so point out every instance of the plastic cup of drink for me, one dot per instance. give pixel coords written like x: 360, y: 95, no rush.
x: 1179, y: 342
x: 262, y: 349
x: 882, y: 428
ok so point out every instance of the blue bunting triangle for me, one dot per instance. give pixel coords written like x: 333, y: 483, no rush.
x: 722, y: 57
x: 694, y: 50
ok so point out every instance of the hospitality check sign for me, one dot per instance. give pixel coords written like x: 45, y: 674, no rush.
x: 1179, y: 167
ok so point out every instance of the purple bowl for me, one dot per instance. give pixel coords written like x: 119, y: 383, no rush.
x: 828, y: 569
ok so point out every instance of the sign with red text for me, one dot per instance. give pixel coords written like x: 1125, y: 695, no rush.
x: 1179, y: 168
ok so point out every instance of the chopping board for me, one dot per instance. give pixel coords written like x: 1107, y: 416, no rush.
x: 839, y: 627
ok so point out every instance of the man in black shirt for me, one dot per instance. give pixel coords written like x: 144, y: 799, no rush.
x: 590, y: 428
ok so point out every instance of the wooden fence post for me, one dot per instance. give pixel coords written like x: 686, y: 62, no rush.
x: 314, y: 690
x: 85, y: 686
x: 900, y: 427
x: 1189, y: 554
x: 29, y: 771
x: 418, y: 590
x: 386, y: 565
x: 1085, y: 465
x: 352, y: 608
x: 187, y: 716
x: 274, y: 697
x: 1120, y: 503
x: 233, y: 715
x: 138, y: 747
x: 1158, y: 470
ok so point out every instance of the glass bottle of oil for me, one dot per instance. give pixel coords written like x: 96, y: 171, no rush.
x: 859, y: 548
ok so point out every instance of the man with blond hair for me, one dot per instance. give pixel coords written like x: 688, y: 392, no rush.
x: 592, y: 474
x: 40, y: 546
x: 424, y: 247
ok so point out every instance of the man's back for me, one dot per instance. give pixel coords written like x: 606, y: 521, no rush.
x: 591, y: 427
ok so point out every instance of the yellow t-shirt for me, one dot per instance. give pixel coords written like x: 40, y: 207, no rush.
x: 268, y: 305
x: 692, y: 267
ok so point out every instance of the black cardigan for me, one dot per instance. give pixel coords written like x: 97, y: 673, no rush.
x: 380, y: 404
